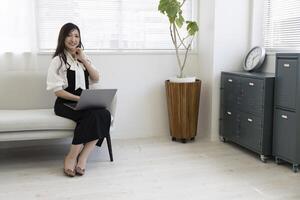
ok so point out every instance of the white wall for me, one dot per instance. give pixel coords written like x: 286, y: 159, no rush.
x: 205, y: 55
x: 257, y: 9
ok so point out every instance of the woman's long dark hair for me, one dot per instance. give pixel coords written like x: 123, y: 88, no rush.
x: 63, y: 33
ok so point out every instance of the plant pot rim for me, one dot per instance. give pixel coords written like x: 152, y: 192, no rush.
x: 190, y: 79
x: 197, y: 80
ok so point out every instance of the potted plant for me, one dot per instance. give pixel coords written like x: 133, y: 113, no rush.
x: 183, y: 93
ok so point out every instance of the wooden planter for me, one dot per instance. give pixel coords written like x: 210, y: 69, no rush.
x: 183, y: 105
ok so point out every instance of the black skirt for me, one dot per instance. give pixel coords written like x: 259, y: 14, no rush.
x: 91, y: 124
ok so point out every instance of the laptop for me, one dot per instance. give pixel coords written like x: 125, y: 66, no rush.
x: 98, y: 98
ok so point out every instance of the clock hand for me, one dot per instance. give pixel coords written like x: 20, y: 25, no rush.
x: 250, y: 63
x: 254, y: 58
x: 257, y: 58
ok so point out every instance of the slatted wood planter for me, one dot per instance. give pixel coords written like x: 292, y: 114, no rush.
x: 183, y: 105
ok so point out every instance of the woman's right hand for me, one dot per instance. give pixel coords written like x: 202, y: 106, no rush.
x: 77, y: 98
x: 67, y: 95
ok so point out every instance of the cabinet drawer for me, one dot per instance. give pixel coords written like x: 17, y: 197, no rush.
x: 251, y: 131
x: 252, y: 95
x: 230, y: 124
x: 285, y: 134
x: 228, y: 80
x: 230, y: 89
x: 285, y: 84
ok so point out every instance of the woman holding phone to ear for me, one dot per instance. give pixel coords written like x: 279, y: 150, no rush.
x: 69, y: 73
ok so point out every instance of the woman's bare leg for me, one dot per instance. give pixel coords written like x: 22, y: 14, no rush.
x: 87, y: 149
x: 71, y: 158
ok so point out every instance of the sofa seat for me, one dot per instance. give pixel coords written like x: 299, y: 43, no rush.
x: 33, y: 120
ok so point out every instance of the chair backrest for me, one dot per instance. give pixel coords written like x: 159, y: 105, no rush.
x: 24, y: 90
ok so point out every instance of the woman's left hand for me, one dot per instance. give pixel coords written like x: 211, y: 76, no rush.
x: 80, y: 55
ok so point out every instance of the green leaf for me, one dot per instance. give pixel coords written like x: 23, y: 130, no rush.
x: 192, y: 27
x: 169, y: 8
x: 172, y: 11
x: 179, y: 21
x: 163, y: 5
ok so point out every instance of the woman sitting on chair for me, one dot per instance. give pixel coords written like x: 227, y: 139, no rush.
x: 69, y: 73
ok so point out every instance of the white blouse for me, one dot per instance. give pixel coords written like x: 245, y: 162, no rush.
x: 57, y: 76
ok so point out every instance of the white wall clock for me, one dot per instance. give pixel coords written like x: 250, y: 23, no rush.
x: 254, y: 58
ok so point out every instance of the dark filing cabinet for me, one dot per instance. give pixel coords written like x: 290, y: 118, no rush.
x: 286, y: 138
x: 246, y: 111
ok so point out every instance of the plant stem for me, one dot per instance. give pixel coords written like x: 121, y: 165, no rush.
x: 176, y: 48
x: 181, y: 41
x: 186, y: 53
x: 182, y: 3
x: 171, y: 32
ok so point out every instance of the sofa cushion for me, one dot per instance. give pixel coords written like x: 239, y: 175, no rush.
x: 36, y: 119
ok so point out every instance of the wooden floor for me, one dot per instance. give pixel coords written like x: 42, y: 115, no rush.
x: 152, y: 168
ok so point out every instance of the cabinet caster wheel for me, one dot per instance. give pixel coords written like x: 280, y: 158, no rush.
x: 263, y: 158
x: 222, y: 139
x: 278, y: 161
x: 183, y: 140
x: 295, y: 168
x: 173, y: 138
x: 193, y: 138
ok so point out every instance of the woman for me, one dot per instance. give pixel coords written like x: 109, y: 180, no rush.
x: 69, y: 73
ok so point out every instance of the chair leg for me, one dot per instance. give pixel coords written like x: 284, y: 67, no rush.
x: 108, y: 140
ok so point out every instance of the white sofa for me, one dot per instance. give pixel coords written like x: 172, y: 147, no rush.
x: 26, y: 109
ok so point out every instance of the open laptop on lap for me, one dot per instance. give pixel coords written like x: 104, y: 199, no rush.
x: 98, y: 98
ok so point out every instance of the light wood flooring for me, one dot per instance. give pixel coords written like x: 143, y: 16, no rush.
x: 147, y: 169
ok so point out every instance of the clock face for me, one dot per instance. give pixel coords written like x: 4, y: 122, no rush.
x: 254, y: 58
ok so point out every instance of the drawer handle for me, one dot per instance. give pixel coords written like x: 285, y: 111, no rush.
x: 250, y: 120
x: 286, y: 65
x: 284, y: 116
x: 230, y: 80
x: 229, y: 113
x: 251, y: 84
